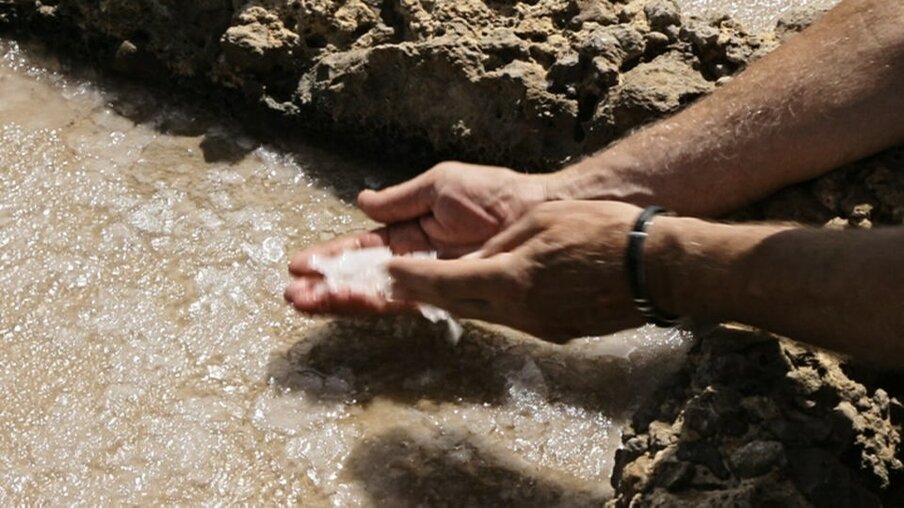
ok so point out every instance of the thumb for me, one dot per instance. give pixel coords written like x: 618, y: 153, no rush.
x: 405, y: 201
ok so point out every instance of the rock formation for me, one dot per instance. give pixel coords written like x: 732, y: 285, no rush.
x: 755, y: 420
x: 529, y: 84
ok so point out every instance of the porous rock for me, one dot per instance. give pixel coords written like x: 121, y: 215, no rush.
x: 527, y: 84
x: 760, y: 420
x: 519, y: 83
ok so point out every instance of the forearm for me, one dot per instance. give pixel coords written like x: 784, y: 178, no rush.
x: 830, y: 95
x: 841, y: 290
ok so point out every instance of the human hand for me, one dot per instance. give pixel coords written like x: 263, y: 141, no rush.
x: 453, y: 209
x: 558, y: 273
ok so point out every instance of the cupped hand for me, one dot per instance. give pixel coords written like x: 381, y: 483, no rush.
x: 558, y: 273
x: 451, y: 209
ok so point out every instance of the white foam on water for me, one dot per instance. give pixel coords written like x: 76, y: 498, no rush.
x: 638, y: 342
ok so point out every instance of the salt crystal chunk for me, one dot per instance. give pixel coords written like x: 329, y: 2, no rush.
x: 363, y: 271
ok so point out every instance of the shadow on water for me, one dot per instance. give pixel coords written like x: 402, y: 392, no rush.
x: 228, y: 131
x: 224, y: 138
x: 420, y: 467
x: 407, y: 361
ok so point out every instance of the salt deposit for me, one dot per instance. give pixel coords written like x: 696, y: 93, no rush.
x: 757, y: 15
x: 363, y: 271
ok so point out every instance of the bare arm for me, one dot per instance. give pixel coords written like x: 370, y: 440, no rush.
x: 841, y: 290
x: 830, y: 95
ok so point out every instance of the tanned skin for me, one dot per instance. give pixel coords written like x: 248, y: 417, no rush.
x: 550, y: 248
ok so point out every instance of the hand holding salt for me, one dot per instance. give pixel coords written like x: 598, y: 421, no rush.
x: 364, y: 271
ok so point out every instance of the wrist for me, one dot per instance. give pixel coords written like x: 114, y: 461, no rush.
x: 607, y: 176
x: 695, y: 268
x: 664, y: 252
x: 636, y: 268
x: 533, y: 189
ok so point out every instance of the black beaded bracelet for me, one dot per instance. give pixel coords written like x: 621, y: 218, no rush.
x: 634, y: 264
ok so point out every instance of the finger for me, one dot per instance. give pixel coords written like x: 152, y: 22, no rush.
x: 477, y: 253
x: 478, y: 228
x: 435, y: 230
x: 398, y: 203
x: 306, y: 294
x: 402, y: 238
x: 454, y: 251
x: 512, y: 237
x: 407, y: 237
x: 311, y: 296
x: 454, y: 285
x: 300, y: 265
x: 446, y: 244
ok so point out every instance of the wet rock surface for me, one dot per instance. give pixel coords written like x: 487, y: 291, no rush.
x: 751, y: 419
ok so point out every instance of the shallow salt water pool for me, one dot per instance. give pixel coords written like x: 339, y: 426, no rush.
x: 147, y: 356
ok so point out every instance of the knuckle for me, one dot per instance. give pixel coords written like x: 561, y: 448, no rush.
x: 444, y: 169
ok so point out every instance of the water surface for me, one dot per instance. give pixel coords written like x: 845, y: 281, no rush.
x: 147, y: 355
x: 756, y: 15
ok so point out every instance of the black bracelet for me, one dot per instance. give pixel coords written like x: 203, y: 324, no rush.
x: 634, y: 264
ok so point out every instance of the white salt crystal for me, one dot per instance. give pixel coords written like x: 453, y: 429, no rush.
x: 363, y: 271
